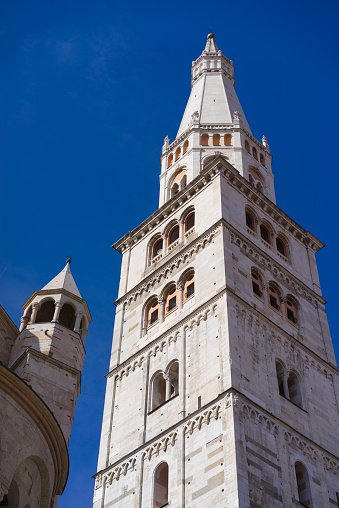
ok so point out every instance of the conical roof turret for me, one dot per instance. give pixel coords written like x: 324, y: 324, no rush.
x: 64, y: 280
x: 213, y: 99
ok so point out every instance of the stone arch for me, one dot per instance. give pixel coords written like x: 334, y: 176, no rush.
x: 160, y: 485
x: 293, y: 309
x: 67, y: 315
x: 46, y: 311
x: 155, y: 248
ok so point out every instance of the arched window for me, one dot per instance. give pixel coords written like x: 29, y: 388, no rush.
x: 265, y: 234
x: 281, y: 246
x: 250, y: 222
x: 183, y: 182
x: 157, y: 248
x: 67, y: 316
x: 173, y: 380
x: 216, y: 140
x: 205, y: 140
x: 170, y: 160
x: 228, y: 140
x: 255, y: 179
x: 173, y: 235
x: 303, y: 484
x: 255, y: 153
x: 273, y: 297
x: 260, y: 187
x: 189, y: 222
x: 256, y: 284
x: 189, y: 286
x: 185, y: 147
x: 158, y: 391
x: 280, y: 373
x: 46, y: 312
x: 170, y: 298
x: 160, y: 489
x: 294, y: 392
x: 291, y: 311
x: 177, y: 153
x: 251, y: 179
x: 262, y: 160
x: 152, y: 312
x: 247, y: 146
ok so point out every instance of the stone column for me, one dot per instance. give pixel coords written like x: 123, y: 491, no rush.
x: 78, y: 319
x: 180, y: 287
x: 57, y: 309
x: 168, y: 380
x: 283, y: 305
x: 162, y: 308
x: 23, y: 323
x: 36, y: 307
x: 264, y: 290
x: 181, y: 231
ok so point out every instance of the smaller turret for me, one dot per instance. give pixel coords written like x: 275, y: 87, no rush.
x: 49, y: 351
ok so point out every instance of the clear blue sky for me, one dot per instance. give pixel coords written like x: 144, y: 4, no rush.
x: 88, y: 91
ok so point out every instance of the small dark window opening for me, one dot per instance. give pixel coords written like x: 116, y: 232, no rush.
x: 190, y: 222
x: 157, y: 249
x: 154, y: 316
x: 199, y: 402
x: 190, y: 290
x: 281, y: 247
x: 255, y: 285
x: 274, y: 302
x: 46, y: 312
x: 264, y: 234
x: 174, y: 235
x: 172, y: 303
x: 249, y: 221
x: 67, y: 316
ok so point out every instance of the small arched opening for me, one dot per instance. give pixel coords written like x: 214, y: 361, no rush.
x: 177, y: 153
x: 280, y: 375
x: 216, y: 140
x: 158, y: 391
x: 205, y: 140
x: 228, y: 140
x: 291, y: 311
x: 303, y: 484
x: 250, y: 221
x: 152, y: 312
x: 185, y: 147
x: 247, y: 146
x: 160, y: 489
x: 273, y: 297
x: 255, y: 153
x: 281, y: 246
x: 46, y: 312
x: 173, y: 379
x: 265, y: 233
x: 67, y: 316
x: 170, y: 298
x: 157, y: 248
x: 189, y: 284
x: 174, y: 189
x: 173, y: 235
x: 262, y: 160
x: 189, y: 222
x: 256, y: 284
x: 170, y: 160
x: 294, y: 392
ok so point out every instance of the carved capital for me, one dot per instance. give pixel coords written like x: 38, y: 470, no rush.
x: 180, y: 285
x: 161, y: 299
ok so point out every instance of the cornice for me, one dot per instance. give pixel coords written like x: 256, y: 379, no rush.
x: 45, y: 421
x: 202, y: 417
x: 218, y: 166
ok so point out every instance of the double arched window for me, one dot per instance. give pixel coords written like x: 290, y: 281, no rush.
x: 288, y: 384
x: 254, y: 153
x: 276, y: 242
x: 256, y: 179
x: 257, y: 284
x: 173, y: 157
x: 164, y: 386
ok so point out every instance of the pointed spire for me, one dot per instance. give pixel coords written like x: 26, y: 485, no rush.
x: 64, y: 280
x: 211, y: 45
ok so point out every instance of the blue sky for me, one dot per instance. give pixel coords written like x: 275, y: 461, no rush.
x: 88, y: 91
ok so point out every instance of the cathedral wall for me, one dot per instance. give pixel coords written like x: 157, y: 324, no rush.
x: 8, y: 334
x: 27, y: 469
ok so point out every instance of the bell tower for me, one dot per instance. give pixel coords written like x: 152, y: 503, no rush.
x: 222, y: 387
x: 49, y: 351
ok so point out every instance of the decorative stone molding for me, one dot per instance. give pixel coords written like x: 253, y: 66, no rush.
x: 260, y: 419
x: 161, y: 445
x: 330, y: 464
x: 198, y: 316
x: 298, y: 443
x: 276, y: 270
x: 231, y: 399
x: 204, y: 418
x: 296, y: 352
x: 115, y: 474
x: 172, y: 264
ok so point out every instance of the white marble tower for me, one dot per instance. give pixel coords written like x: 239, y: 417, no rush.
x: 222, y: 389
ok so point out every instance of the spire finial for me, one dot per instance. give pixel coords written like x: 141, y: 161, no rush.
x: 210, y: 36
x: 69, y: 260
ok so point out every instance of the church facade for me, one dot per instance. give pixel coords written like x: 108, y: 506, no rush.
x: 40, y: 380
x: 223, y: 387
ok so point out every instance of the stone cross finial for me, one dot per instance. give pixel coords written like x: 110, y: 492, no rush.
x: 165, y: 145
x: 264, y: 142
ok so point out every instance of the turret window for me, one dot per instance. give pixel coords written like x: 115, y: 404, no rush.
x: 157, y: 248
x: 247, y: 146
x: 46, y: 312
x: 177, y: 153
x: 262, y: 160
x: 255, y: 153
x: 250, y: 222
x: 170, y: 160
x: 205, y: 140
x: 281, y: 247
x: 67, y: 316
x: 216, y: 140
x: 185, y: 147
